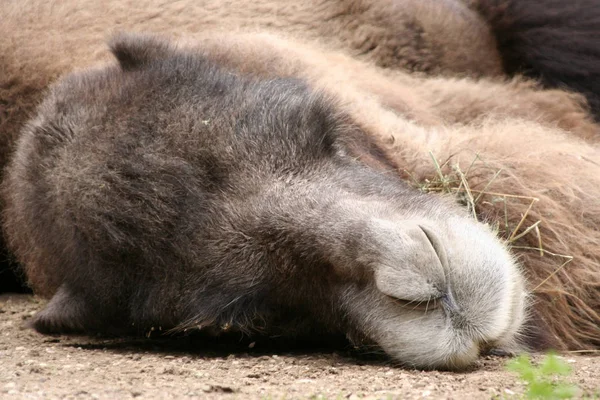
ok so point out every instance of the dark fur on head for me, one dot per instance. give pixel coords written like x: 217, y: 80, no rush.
x: 170, y: 192
x: 555, y: 41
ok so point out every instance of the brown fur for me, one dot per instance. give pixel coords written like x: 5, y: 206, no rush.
x: 511, y: 127
x: 419, y: 35
x: 543, y: 140
x: 171, y: 191
x: 554, y: 41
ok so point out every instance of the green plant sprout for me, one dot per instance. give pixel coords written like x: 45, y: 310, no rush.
x: 542, y: 380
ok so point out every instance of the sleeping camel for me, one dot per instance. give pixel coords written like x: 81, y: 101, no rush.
x: 300, y: 169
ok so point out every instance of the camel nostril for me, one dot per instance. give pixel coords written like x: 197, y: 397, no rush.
x: 437, y: 246
x: 450, y: 302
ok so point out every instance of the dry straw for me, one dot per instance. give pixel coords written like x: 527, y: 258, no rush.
x: 451, y: 179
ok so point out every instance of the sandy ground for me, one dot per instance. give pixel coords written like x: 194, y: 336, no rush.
x: 36, y: 366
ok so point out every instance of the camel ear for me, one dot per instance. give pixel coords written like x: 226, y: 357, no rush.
x: 134, y: 50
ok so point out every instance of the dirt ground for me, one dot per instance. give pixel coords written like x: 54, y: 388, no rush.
x: 36, y: 366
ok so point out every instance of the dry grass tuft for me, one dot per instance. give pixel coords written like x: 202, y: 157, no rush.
x: 451, y: 179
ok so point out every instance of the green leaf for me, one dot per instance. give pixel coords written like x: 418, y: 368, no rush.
x: 542, y: 390
x: 539, y: 378
x: 553, y: 365
x: 565, y: 391
x: 522, y: 366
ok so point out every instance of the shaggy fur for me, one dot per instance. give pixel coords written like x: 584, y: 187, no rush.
x: 425, y: 36
x: 516, y: 128
x: 171, y: 192
x: 543, y: 140
x: 555, y: 41
x: 37, y: 46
